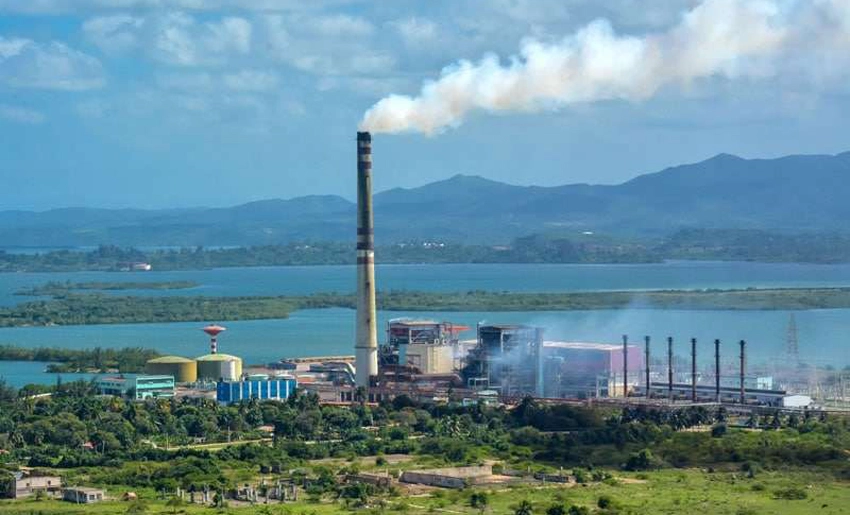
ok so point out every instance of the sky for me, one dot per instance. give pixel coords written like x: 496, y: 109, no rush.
x: 178, y: 103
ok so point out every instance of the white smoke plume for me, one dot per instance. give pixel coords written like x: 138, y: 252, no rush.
x: 717, y: 38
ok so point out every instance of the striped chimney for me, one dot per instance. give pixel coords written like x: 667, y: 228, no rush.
x: 366, y: 344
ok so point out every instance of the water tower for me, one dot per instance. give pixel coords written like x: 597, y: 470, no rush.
x: 215, y: 366
x: 214, y: 330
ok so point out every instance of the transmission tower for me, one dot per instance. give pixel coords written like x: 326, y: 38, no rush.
x: 792, y: 343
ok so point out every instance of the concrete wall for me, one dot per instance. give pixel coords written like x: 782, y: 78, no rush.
x: 457, y: 477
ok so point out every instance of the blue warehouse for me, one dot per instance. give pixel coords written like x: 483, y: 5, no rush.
x: 256, y: 386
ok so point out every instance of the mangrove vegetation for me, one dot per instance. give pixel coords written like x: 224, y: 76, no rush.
x: 93, y: 308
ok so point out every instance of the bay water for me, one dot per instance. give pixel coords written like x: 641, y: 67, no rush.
x: 823, y: 334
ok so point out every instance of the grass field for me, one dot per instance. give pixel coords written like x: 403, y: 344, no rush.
x: 688, y: 491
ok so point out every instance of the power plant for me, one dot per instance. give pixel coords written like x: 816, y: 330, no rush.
x: 509, y: 361
x: 431, y: 359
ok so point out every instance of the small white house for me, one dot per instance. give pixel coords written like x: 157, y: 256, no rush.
x: 82, y: 495
x: 796, y: 401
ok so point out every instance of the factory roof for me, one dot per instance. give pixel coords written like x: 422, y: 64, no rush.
x: 217, y: 357
x: 584, y: 345
x: 170, y: 359
x: 413, y: 322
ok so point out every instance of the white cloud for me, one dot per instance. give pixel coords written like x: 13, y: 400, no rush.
x: 173, y: 38
x: 93, y: 108
x: 20, y: 114
x: 27, y: 64
x: 115, y: 33
x: 336, y: 45
x: 53, y: 7
x: 257, y: 81
x: 251, y: 80
x: 179, y: 39
x: 185, y: 81
x: 11, y: 47
x: 340, y: 25
x: 416, y: 31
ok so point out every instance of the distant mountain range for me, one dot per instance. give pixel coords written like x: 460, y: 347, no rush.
x: 791, y: 194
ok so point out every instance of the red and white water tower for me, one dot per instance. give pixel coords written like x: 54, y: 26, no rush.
x: 214, y: 330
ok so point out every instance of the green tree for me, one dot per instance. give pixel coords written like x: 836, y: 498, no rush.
x: 137, y: 508
x: 479, y: 500
x: 175, y: 503
x: 523, y: 508
x: 556, y: 509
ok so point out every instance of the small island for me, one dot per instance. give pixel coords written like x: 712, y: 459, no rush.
x: 57, y: 288
x: 96, y: 308
x: 60, y: 360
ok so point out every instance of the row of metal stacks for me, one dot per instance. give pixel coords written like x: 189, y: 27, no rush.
x: 431, y: 358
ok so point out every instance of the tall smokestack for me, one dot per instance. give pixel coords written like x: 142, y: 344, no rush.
x: 366, y: 344
x: 670, y: 367
x: 717, y: 370
x: 625, y: 365
x: 646, y: 359
x: 693, y: 369
x: 743, y: 344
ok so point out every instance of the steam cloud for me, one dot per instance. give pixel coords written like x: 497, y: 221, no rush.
x: 725, y: 38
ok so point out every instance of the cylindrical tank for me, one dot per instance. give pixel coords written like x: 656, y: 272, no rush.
x: 184, y: 370
x: 213, y: 367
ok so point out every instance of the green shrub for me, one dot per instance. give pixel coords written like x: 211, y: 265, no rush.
x: 556, y: 509
x: 643, y: 460
x: 790, y: 494
x: 605, y: 502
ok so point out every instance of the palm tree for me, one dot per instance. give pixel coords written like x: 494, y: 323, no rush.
x: 174, y: 503
x: 523, y: 508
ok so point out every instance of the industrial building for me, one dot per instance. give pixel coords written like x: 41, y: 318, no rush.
x: 137, y: 387
x: 506, y: 358
x: 427, y: 346
x: 454, y: 477
x: 584, y: 370
x: 255, y: 386
x: 183, y: 370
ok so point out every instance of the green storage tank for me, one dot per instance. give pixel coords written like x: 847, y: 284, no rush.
x: 184, y: 370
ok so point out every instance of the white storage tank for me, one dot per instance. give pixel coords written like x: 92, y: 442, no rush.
x: 213, y: 367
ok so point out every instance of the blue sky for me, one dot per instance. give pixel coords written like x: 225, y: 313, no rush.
x: 174, y: 103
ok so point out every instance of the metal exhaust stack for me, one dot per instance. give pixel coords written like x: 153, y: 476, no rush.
x: 646, y: 358
x: 670, y: 367
x: 743, y: 369
x: 693, y: 369
x: 366, y: 344
x: 625, y: 365
x: 717, y: 370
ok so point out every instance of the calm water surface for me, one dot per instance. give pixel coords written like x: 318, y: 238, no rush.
x: 823, y: 334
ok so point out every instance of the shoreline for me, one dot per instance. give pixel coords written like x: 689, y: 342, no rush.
x: 75, y: 309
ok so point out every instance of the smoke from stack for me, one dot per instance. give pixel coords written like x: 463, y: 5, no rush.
x: 725, y: 38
